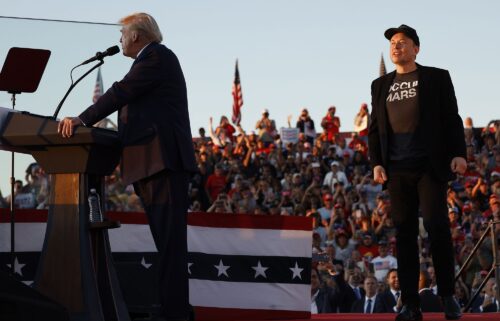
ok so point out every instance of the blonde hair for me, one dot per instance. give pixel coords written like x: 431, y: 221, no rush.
x: 144, y: 24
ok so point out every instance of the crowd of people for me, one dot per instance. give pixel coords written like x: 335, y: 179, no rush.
x: 324, y: 173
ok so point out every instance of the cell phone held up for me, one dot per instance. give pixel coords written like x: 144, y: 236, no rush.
x: 320, y: 257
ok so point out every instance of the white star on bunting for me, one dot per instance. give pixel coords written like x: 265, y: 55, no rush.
x: 222, y: 269
x: 260, y: 270
x: 189, y: 267
x: 296, y: 271
x: 146, y: 265
x: 17, y: 266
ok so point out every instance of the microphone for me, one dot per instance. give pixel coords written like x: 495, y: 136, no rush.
x: 100, y: 55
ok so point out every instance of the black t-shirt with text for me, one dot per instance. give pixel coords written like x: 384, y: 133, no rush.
x: 404, y: 115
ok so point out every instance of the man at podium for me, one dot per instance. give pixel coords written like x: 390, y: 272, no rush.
x: 157, y: 150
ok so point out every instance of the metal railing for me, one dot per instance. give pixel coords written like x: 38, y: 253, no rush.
x: 495, y: 267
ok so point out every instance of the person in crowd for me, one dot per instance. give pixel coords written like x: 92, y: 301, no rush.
x: 225, y: 126
x: 371, y: 302
x: 491, y: 303
x: 417, y: 147
x: 323, y: 297
x: 384, y: 262
x: 357, y: 144
x: 326, y: 210
x: 305, y: 124
x: 392, y: 294
x: 216, y: 183
x: 202, y: 135
x: 488, y: 302
x: 335, y: 176
x: 429, y: 301
x: 371, y: 189
x: 134, y: 203
x: 37, y: 183
x: 331, y: 124
x: 472, y: 134
x: 266, y: 128
x: 23, y: 198
x: 318, y: 226
x: 221, y: 205
x: 344, y: 245
x: 368, y: 248
x: 157, y: 155
x: 351, y: 290
x: 359, y: 161
x: 361, y: 121
x: 220, y: 137
x: 481, y: 193
x: 247, y: 203
x: 462, y: 293
x: 432, y: 279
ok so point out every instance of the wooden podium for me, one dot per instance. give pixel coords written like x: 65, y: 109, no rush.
x: 75, y: 267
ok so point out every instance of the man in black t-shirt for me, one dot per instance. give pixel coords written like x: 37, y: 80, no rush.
x: 417, y: 144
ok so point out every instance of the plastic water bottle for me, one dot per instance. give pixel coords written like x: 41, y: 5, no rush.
x: 95, y: 206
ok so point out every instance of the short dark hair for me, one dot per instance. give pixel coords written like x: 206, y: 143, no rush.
x: 390, y: 271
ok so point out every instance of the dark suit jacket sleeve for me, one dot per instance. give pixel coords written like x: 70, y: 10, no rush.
x: 144, y: 75
x: 358, y: 305
x: 382, y: 306
x: 454, y: 131
x: 389, y: 300
x: 327, y: 300
x: 490, y: 308
x: 373, y: 130
x: 346, y: 295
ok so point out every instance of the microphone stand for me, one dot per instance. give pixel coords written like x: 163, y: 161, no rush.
x: 101, y: 62
x: 12, y: 210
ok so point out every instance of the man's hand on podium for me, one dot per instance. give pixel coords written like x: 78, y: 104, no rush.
x: 66, y: 127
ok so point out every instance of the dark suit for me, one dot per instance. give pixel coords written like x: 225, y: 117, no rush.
x: 157, y: 156
x: 440, y: 130
x: 478, y: 302
x: 493, y: 307
x: 429, y: 302
x: 326, y: 300
x: 346, y: 296
x: 474, y: 308
x: 389, y: 300
x: 153, y: 119
x: 359, y: 306
x: 442, y: 126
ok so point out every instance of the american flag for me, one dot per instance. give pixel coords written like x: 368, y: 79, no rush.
x: 237, y: 97
x: 99, y: 87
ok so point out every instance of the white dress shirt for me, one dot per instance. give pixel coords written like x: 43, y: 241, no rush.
x: 372, y: 302
x: 314, y: 307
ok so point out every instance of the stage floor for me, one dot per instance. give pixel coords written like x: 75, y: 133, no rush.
x: 391, y: 317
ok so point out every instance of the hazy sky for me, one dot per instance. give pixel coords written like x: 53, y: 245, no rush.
x: 292, y: 54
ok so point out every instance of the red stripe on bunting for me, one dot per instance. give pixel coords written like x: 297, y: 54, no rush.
x: 250, y: 221
x: 208, y: 314
x: 194, y: 219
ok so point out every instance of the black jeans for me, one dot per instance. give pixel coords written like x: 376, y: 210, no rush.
x: 410, y: 190
x: 165, y: 199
